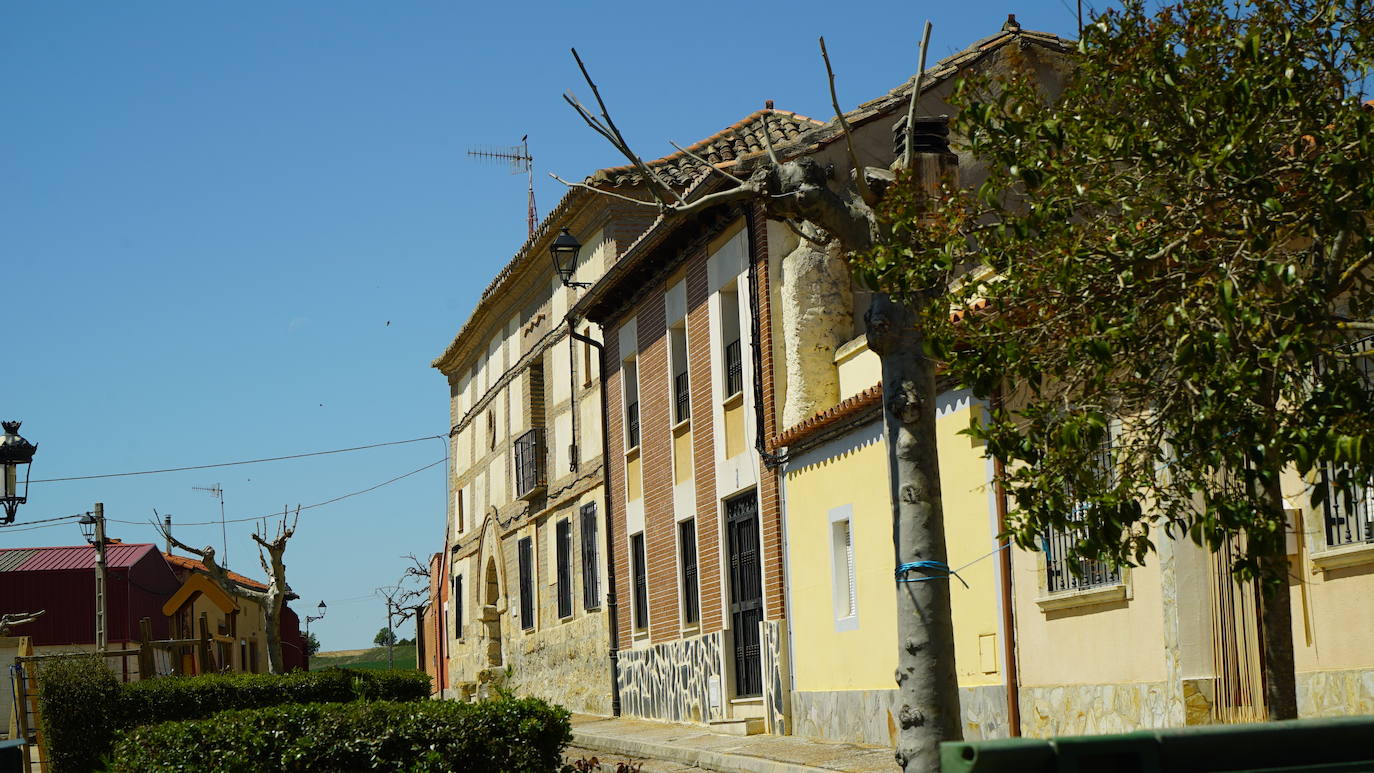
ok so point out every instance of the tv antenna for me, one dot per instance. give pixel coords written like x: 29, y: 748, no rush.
x: 218, y: 493
x: 520, y: 161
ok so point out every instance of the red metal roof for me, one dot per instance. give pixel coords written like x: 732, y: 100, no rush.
x: 53, y: 559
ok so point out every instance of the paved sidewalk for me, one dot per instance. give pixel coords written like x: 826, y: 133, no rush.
x: 668, y: 748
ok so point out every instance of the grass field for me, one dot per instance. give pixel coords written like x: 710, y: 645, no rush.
x: 373, y: 658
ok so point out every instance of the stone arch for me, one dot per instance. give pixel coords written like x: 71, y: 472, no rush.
x: 489, y: 591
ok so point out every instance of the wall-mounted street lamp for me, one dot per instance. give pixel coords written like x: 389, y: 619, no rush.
x: 564, y: 251
x: 15, y: 452
x: 312, y: 618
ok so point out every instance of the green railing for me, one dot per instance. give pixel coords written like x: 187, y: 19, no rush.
x: 1337, y: 745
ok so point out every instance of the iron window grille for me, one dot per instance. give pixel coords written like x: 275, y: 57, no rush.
x: 734, y: 369
x: 457, y: 606
x: 632, y: 424
x: 641, y: 610
x: 687, y: 548
x: 681, y: 398
x: 1349, y: 515
x: 591, y: 578
x: 1063, y: 571
x: 525, y: 550
x: 530, y: 475
x: 563, y: 537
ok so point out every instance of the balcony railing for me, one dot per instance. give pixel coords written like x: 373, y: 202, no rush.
x: 734, y: 369
x: 681, y: 399
x: 530, y: 476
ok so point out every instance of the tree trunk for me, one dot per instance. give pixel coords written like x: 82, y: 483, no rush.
x: 1276, y: 618
x: 927, y: 687
x: 272, y: 619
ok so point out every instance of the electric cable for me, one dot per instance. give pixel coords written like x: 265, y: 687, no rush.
x: 234, y: 464
x: 303, y: 507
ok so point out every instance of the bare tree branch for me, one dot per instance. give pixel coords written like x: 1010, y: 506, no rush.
x: 864, y: 191
x: 768, y: 138
x: 8, y: 621
x: 612, y: 194
x: 909, y: 147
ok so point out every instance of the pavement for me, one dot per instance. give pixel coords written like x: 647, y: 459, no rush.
x: 662, y: 747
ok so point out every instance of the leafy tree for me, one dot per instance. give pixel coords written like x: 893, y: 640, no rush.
x: 1181, y: 247
x: 312, y: 644
x: 384, y: 638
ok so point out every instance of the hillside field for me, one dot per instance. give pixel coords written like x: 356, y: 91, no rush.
x: 370, y: 658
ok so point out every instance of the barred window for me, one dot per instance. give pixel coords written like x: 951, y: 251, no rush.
x: 641, y: 594
x: 1347, y: 513
x: 591, y: 577
x: 1063, y: 571
x: 525, y: 554
x: 563, y: 538
x: 687, y: 551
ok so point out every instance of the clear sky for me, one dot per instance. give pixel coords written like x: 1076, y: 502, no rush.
x: 240, y: 230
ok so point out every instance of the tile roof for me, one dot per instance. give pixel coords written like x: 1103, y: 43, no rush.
x: 727, y: 146
x: 183, y: 562
x: 847, y: 408
x: 118, y: 555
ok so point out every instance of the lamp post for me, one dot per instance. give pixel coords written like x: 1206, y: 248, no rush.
x: 312, y: 618
x: 93, y: 527
x: 564, y: 252
x: 15, y: 452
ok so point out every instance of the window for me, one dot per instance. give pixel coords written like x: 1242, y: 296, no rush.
x: 586, y: 358
x: 1349, y: 514
x: 687, y: 552
x: 457, y: 604
x: 641, y: 598
x: 529, y: 463
x: 733, y: 366
x: 844, y: 583
x: 630, y: 376
x: 563, y: 538
x: 1063, y: 572
x: 525, y: 553
x: 491, y: 429
x: 591, y: 586
x: 682, y: 404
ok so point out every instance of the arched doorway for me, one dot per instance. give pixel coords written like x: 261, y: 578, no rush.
x: 491, y: 616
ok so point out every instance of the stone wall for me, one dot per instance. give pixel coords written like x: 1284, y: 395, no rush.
x: 868, y: 716
x: 1081, y: 709
x: 568, y: 664
x: 777, y: 705
x: 673, y: 681
x: 1336, y: 693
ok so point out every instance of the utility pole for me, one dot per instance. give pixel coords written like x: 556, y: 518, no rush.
x: 100, y: 576
x: 390, y: 637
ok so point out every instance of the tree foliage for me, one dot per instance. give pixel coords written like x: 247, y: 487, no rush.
x: 1174, y: 254
x: 385, y: 637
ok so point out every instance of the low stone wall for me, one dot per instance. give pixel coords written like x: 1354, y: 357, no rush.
x: 1081, y: 709
x: 869, y: 716
x: 568, y: 664
x: 1336, y: 693
x: 673, y: 681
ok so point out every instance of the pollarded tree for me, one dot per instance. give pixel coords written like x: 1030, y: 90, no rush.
x: 271, y: 554
x: 1181, y: 247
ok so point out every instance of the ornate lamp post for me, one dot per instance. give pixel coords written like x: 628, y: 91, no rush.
x: 312, y: 618
x: 93, y: 528
x: 15, y: 452
x: 564, y: 251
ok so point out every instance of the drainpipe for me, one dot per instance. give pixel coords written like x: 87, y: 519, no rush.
x: 1004, y: 569
x: 771, y: 461
x: 611, y: 616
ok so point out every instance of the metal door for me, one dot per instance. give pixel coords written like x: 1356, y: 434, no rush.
x: 746, y: 591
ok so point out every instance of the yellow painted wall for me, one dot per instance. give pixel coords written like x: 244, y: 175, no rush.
x: 865, y: 658
x: 682, y: 453
x: 734, y: 427
x: 633, y: 480
x: 859, y: 368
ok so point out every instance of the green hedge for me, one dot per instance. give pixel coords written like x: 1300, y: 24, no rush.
x: 500, y: 736
x: 83, y: 705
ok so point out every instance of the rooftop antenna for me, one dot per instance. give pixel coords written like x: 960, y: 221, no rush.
x: 520, y: 161
x: 218, y: 493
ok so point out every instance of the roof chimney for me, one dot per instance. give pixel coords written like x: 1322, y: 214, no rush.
x: 768, y: 104
x: 167, y: 530
x: 1012, y: 24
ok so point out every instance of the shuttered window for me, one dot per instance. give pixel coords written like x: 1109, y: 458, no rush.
x: 687, y: 552
x: 563, y: 538
x: 591, y: 578
x: 641, y: 601
x: 525, y: 551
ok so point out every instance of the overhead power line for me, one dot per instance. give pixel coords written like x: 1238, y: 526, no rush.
x: 303, y: 507
x: 245, y: 461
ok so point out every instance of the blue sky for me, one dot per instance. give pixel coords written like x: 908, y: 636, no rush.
x: 234, y: 231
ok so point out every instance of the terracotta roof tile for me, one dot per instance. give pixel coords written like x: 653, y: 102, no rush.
x: 846, y: 408
x: 726, y: 147
x: 196, y: 566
